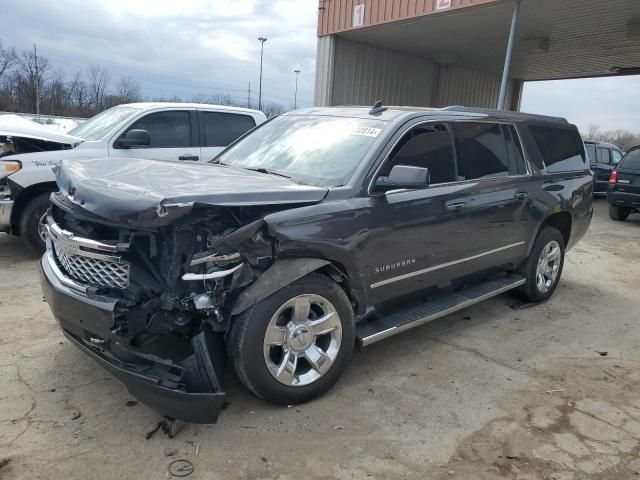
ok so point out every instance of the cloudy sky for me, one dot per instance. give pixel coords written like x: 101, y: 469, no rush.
x: 187, y: 47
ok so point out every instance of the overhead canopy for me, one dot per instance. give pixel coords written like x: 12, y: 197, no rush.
x: 556, y: 39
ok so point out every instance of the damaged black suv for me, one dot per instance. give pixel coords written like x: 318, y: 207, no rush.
x: 322, y: 230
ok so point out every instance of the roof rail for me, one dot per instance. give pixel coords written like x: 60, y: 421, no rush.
x: 491, y: 111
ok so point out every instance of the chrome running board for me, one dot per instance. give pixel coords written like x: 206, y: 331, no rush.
x: 368, y: 332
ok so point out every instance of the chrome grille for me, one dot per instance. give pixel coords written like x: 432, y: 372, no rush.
x: 88, y: 261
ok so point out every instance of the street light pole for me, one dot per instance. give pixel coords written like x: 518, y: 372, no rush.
x: 295, y: 97
x: 261, y: 40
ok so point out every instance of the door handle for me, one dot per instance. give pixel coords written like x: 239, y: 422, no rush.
x: 194, y: 158
x: 521, y: 195
x: 456, y: 207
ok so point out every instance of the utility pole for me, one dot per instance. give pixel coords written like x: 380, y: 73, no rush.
x: 261, y: 40
x: 35, y: 58
x: 249, y: 96
x: 295, y: 97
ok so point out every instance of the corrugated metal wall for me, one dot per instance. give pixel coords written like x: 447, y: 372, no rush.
x: 324, y: 70
x: 463, y: 86
x: 352, y: 73
x: 363, y: 74
x: 337, y: 15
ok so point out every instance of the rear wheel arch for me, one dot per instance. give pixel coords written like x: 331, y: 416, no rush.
x: 561, y: 221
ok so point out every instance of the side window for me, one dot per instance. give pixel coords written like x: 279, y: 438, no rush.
x: 221, y: 129
x: 591, y: 153
x: 631, y: 160
x: 603, y: 156
x: 166, y: 129
x: 481, y: 149
x: 427, y: 146
x: 561, y: 148
x: 616, y: 156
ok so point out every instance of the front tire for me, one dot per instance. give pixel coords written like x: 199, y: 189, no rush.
x: 294, y: 346
x: 32, y: 220
x: 543, y: 267
x: 618, y: 214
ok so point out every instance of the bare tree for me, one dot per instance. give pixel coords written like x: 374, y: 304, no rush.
x: 272, y: 109
x: 8, y: 58
x: 78, y: 93
x: 128, y: 90
x: 622, y: 138
x: 98, y: 83
x: 33, y: 71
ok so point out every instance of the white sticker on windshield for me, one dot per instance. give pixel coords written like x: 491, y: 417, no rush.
x: 366, y: 131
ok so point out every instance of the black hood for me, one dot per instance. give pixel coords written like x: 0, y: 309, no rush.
x: 150, y: 193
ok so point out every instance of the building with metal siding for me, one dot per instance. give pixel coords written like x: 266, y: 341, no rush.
x: 409, y: 52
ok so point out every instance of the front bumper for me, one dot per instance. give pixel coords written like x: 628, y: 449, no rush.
x: 623, y: 199
x: 6, y: 205
x: 184, y: 388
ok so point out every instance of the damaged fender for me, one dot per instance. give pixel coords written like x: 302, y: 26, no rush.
x: 279, y: 275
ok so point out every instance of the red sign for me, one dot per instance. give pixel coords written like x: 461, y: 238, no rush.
x: 442, y: 4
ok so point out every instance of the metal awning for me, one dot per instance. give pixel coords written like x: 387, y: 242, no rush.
x: 555, y: 39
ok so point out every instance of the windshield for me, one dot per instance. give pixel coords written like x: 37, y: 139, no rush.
x: 97, y: 127
x: 323, y: 151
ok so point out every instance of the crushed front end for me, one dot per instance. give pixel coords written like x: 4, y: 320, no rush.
x: 152, y: 306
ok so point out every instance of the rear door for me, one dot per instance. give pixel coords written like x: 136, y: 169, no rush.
x: 218, y: 129
x: 494, y: 205
x: 173, y: 135
x: 603, y: 168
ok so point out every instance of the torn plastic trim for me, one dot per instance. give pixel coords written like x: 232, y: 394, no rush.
x: 188, y: 277
x: 214, y: 258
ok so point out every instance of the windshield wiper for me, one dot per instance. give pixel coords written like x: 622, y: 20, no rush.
x: 270, y: 172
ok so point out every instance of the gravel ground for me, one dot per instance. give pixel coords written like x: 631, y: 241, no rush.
x: 492, y: 392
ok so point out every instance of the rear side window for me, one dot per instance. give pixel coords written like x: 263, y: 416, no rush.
x: 591, y: 152
x: 616, y: 156
x: 221, y: 129
x: 604, y: 156
x: 561, y: 148
x: 487, y: 150
x: 166, y: 129
x: 631, y: 160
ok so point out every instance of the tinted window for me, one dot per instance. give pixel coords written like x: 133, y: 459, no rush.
x: 591, y: 152
x: 514, y: 149
x: 561, y: 148
x: 481, y: 149
x: 616, y: 156
x: 166, y: 129
x: 428, y: 147
x: 631, y: 160
x: 221, y: 129
x: 603, y: 155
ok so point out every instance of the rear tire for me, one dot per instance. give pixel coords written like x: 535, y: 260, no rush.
x: 619, y: 214
x: 278, y: 347
x: 543, y: 267
x: 31, y: 226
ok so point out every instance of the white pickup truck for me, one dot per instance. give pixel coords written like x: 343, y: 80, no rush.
x: 161, y: 131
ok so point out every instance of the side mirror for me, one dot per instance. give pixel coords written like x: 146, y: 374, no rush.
x: 404, y: 177
x: 134, y: 138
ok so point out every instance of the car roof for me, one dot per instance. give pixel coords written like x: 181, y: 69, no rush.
x: 393, y: 113
x: 604, y: 144
x: 153, y: 105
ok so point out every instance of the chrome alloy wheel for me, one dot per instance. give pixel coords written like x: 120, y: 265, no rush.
x: 42, y: 227
x: 302, y: 340
x: 548, y: 266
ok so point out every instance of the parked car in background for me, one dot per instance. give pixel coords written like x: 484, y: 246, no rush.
x: 603, y: 158
x: 322, y: 229
x: 161, y: 131
x: 624, y: 186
